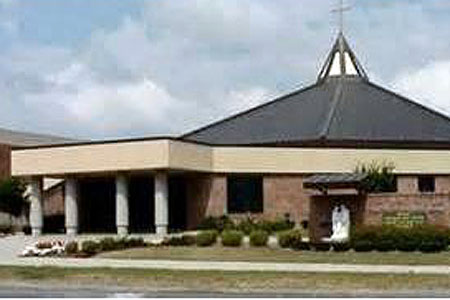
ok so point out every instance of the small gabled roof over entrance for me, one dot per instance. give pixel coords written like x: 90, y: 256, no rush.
x: 342, y: 109
x: 324, y: 182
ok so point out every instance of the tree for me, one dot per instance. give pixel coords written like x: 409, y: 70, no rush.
x: 380, y: 177
x: 12, y: 197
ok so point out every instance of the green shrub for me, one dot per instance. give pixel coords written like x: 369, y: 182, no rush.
x: 363, y: 246
x: 291, y: 239
x: 341, y: 247
x: 90, y: 247
x: 216, y: 223
x: 71, y: 248
x: 107, y: 244
x: 188, y: 239
x: 380, y: 177
x: 259, y: 238
x: 247, y: 226
x: 425, y: 238
x: 432, y: 238
x: 207, y: 238
x: 274, y: 226
x: 282, y: 225
x: 175, y: 241
x: 121, y: 244
x: 6, y: 229
x: 232, y: 238
x: 135, y: 243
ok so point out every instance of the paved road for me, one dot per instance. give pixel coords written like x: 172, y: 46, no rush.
x: 34, y: 292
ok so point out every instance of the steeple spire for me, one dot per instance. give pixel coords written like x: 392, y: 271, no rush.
x: 340, y: 11
x: 341, y: 61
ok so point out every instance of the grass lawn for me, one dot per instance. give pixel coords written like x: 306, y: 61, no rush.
x: 280, y: 255
x: 220, y: 281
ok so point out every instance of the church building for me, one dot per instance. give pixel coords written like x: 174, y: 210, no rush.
x: 294, y: 157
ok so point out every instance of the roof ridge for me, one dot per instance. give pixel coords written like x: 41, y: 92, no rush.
x: 333, y: 105
x: 276, y: 100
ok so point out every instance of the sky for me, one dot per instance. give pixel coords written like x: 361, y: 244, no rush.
x: 103, y: 69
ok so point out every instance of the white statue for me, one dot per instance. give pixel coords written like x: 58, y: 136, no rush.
x: 341, y: 224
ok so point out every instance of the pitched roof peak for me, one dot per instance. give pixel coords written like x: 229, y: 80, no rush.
x: 341, y: 61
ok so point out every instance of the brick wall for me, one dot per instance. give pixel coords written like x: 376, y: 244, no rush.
x: 284, y: 194
x: 436, y: 206
x: 5, y: 161
x: 54, y: 200
x: 206, y: 196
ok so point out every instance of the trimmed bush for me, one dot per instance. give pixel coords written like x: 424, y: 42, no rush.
x: 6, y: 229
x: 90, y: 247
x: 207, y: 238
x: 216, y: 223
x: 363, y: 246
x: 232, y: 238
x: 71, y: 248
x: 341, y: 247
x: 282, y: 225
x: 108, y: 244
x: 259, y: 238
x: 425, y: 238
x: 188, y: 239
x: 135, y: 243
x: 291, y: 239
x: 175, y: 241
x: 247, y: 226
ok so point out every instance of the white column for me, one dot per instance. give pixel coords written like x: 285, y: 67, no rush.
x: 71, y: 206
x: 161, y: 203
x: 36, y: 206
x: 122, y: 214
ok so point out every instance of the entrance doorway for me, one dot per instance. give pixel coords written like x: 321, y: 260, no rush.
x: 141, y: 204
x: 177, y: 203
x: 97, y: 205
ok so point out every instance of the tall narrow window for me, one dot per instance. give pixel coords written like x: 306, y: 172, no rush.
x: 245, y: 194
x: 426, y: 184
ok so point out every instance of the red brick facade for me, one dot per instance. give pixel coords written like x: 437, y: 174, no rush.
x: 206, y: 196
x: 54, y: 200
x: 5, y: 161
x: 435, y: 206
x: 284, y: 194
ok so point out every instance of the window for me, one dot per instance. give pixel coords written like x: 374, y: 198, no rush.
x: 245, y: 194
x: 426, y: 184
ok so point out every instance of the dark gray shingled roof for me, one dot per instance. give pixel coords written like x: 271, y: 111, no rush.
x: 22, y: 139
x: 335, y: 178
x: 344, y: 110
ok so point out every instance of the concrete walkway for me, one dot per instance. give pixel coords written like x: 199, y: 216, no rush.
x: 225, y: 266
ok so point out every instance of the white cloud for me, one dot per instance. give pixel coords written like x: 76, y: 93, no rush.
x: 430, y: 85
x: 104, y: 107
x: 181, y: 64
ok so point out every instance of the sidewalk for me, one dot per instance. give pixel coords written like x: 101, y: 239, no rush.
x: 225, y: 266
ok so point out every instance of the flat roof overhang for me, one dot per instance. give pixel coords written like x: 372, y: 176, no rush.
x: 175, y: 154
